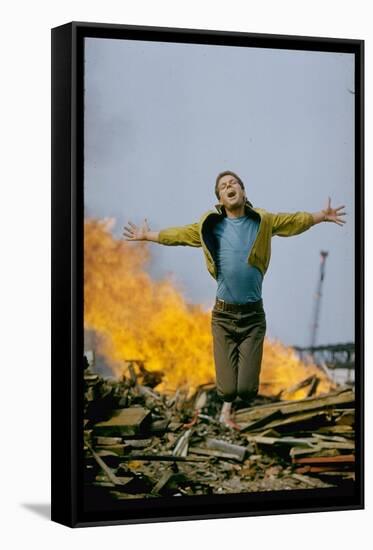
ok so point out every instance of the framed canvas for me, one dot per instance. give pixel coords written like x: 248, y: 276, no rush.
x: 204, y: 366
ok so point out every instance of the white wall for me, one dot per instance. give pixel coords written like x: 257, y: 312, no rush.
x: 25, y: 289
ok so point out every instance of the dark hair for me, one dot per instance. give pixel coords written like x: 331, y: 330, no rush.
x: 226, y: 173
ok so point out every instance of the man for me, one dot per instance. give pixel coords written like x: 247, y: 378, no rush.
x: 236, y: 241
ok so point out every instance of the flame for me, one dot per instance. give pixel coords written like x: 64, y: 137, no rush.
x: 282, y: 369
x: 136, y: 317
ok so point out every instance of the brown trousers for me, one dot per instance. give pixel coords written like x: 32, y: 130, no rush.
x: 238, y: 350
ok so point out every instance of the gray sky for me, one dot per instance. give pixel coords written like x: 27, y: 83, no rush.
x: 162, y: 119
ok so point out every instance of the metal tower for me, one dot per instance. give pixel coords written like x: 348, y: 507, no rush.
x: 316, y: 312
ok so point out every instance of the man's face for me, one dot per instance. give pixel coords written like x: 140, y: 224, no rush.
x: 231, y: 194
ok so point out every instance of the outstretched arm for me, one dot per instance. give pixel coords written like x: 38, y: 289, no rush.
x: 330, y: 214
x: 288, y: 224
x: 185, y: 235
x: 143, y: 232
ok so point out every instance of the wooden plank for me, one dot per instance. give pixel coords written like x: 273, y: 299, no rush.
x: 329, y: 446
x: 289, y: 407
x: 164, y: 479
x: 313, y: 387
x: 307, y: 442
x: 117, y: 449
x: 312, y: 451
x: 90, y: 378
x: 347, y: 418
x: 298, y: 386
x: 138, y: 443
x: 340, y: 445
x: 159, y: 458
x: 256, y: 424
x: 324, y: 437
x: 130, y: 421
x: 108, y: 440
x: 340, y: 459
x: 182, y: 444
x: 340, y: 429
x: 107, y: 471
x: 296, y: 419
x: 268, y: 433
x: 339, y: 396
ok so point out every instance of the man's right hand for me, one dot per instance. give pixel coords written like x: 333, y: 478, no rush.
x: 133, y: 232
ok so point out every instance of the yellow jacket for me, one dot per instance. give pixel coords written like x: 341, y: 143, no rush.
x: 200, y: 235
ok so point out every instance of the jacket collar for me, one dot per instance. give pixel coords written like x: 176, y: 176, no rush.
x: 221, y: 209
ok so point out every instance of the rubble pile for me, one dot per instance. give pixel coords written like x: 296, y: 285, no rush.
x: 140, y: 443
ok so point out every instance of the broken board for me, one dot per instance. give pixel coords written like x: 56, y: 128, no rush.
x: 130, y: 421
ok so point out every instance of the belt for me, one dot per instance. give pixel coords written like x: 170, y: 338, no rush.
x: 221, y: 305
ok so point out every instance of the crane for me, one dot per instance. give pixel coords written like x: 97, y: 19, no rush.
x: 316, y: 312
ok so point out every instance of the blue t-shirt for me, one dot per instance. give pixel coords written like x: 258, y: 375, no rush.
x: 238, y: 281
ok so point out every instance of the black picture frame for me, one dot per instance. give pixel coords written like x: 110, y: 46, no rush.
x: 67, y: 291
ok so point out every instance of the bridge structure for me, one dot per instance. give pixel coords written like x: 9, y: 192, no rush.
x: 339, y: 358
x: 334, y: 356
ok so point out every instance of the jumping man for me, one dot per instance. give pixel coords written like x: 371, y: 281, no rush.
x: 236, y: 241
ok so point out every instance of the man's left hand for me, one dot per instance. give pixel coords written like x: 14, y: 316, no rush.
x: 334, y: 214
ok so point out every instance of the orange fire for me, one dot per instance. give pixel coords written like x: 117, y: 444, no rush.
x: 136, y: 317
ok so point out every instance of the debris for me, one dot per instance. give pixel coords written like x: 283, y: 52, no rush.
x: 108, y: 440
x: 160, y: 458
x: 313, y: 386
x: 288, y: 407
x: 181, y: 447
x: 123, y: 422
x: 162, y: 482
x: 311, y: 381
x: 255, y: 424
x: 142, y: 443
x: 138, y: 443
x: 236, y: 450
x: 107, y: 471
x: 215, y: 453
x: 159, y: 426
x: 326, y: 460
x: 305, y: 479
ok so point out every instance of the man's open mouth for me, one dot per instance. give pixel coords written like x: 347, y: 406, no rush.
x: 231, y: 194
